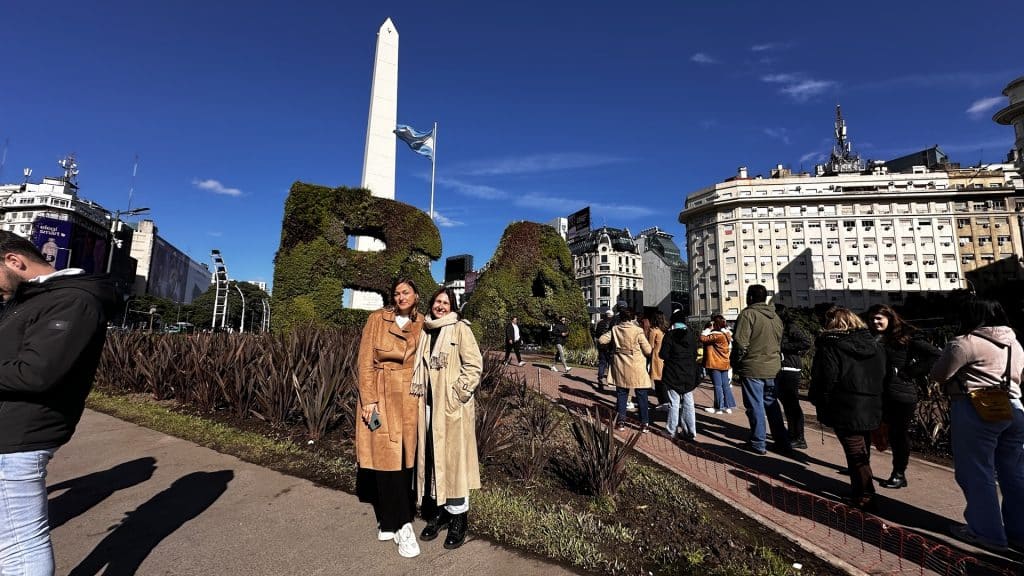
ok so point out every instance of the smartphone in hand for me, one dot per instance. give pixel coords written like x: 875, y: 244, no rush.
x: 374, y: 421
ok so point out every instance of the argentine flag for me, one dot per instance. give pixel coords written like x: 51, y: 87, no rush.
x: 420, y: 142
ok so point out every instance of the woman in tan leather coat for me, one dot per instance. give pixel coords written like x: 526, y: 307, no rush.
x: 386, y: 453
x: 629, y: 366
x: 447, y: 372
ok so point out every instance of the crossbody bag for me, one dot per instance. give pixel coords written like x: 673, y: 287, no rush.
x: 993, y: 403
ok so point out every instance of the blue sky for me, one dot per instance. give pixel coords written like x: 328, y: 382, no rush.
x: 543, y: 107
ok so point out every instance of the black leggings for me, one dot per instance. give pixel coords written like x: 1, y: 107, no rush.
x: 898, y: 416
x: 787, y: 390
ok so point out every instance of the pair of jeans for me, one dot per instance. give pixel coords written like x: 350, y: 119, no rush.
x: 560, y: 355
x: 723, y: 389
x: 897, y: 415
x: 760, y: 401
x: 787, y: 383
x: 681, y: 412
x: 622, y: 396
x: 25, y: 547
x: 604, y: 360
x: 982, y: 452
x: 857, y: 447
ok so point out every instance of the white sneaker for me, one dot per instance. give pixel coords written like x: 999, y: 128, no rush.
x: 567, y: 370
x: 728, y: 410
x: 719, y: 411
x: 385, y: 536
x: 630, y: 406
x: 407, y: 545
x: 522, y: 364
x: 710, y: 410
x: 553, y: 369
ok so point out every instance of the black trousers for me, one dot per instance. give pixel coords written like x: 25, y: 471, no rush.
x: 898, y: 416
x: 390, y: 493
x: 857, y: 446
x: 787, y: 386
x: 509, y: 348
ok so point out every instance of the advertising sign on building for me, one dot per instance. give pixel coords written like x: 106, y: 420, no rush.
x: 579, y: 222
x: 53, y: 238
x: 89, y: 250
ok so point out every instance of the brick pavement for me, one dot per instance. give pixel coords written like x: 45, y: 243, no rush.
x: 799, y: 496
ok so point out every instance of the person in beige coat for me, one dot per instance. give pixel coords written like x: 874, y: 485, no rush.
x: 658, y: 327
x: 629, y: 366
x: 386, y: 435
x: 448, y: 371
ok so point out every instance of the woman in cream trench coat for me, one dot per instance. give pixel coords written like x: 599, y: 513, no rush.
x: 385, y: 456
x: 446, y: 464
x: 629, y: 365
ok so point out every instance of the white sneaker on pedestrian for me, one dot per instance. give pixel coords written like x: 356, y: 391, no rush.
x: 569, y: 369
x: 553, y: 369
x: 522, y: 364
x: 728, y: 410
x: 385, y: 536
x: 407, y: 545
x: 630, y: 406
x: 711, y: 410
x: 719, y: 411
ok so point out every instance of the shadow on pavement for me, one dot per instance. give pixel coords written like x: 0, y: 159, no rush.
x: 123, y: 551
x: 87, y: 491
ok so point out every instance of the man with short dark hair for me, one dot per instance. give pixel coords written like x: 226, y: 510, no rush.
x: 756, y: 359
x: 513, y: 339
x: 560, y: 332
x: 52, y: 329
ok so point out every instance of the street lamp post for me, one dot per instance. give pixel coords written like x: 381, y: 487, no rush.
x: 114, y: 229
x: 241, y: 328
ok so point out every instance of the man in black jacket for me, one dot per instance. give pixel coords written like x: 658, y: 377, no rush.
x: 604, y: 352
x: 795, y: 341
x: 52, y: 330
x: 513, y: 339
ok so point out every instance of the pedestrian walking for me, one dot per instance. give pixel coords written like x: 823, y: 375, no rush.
x: 795, y: 342
x: 560, y: 331
x: 909, y: 359
x: 52, y: 329
x: 757, y: 350
x: 386, y: 439
x: 513, y: 340
x: 846, y: 388
x: 448, y: 369
x: 981, y: 369
x: 629, y: 367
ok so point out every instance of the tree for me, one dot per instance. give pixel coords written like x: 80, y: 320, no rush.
x: 530, y: 276
x: 200, y: 311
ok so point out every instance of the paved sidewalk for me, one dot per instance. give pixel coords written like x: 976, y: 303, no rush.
x: 769, y: 487
x: 128, y: 500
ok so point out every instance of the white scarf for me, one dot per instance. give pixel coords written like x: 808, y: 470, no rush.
x: 436, y: 360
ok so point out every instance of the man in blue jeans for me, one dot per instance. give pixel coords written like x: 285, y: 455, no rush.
x: 756, y: 359
x: 52, y: 329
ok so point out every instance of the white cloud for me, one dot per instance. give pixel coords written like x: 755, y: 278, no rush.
x: 535, y: 163
x: 780, y: 78
x: 778, y: 134
x: 446, y: 222
x: 981, y: 107
x: 799, y: 87
x: 702, y: 58
x: 475, y: 190
x: 765, y: 47
x: 215, y: 234
x: 815, y: 156
x: 211, y: 185
x: 560, y: 205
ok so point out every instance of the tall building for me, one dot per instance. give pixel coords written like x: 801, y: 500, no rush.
x: 455, y: 270
x: 666, y: 285
x: 608, y: 269
x: 1014, y: 115
x: 164, y: 270
x: 854, y: 233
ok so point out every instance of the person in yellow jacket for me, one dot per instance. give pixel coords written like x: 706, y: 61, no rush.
x: 716, y: 359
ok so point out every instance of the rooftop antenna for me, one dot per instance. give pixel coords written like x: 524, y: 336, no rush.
x: 131, y: 189
x: 70, y: 168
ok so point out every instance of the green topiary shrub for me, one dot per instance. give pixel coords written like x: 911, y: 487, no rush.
x: 314, y: 265
x: 530, y: 276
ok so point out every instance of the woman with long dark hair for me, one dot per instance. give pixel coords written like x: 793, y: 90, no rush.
x: 447, y: 374
x: 846, y: 388
x: 386, y: 438
x: 986, y: 361
x: 909, y: 357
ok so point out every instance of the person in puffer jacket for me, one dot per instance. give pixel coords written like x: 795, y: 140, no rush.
x: 846, y: 388
x: 986, y: 355
x: 909, y: 357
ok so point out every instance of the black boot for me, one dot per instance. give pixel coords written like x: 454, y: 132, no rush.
x: 896, y: 481
x: 434, y: 525
x: 456, y: 531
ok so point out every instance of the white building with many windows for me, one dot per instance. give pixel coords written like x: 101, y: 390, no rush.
x: 851, y: 234
x: 608, y: 268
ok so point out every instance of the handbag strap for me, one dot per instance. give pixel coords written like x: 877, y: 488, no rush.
x: 1009, y: 355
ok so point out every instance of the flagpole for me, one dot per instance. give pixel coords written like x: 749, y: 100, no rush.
x: 433, y: 164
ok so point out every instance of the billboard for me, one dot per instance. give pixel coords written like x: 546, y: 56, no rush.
x: 456, y: 267
x: 197, y: 280
x: 53, y: 238
x: 579, y: 222
x: 89, y: 250
x: 175, y: 276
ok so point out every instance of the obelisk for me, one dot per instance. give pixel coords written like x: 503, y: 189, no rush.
x: 379, y: 156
